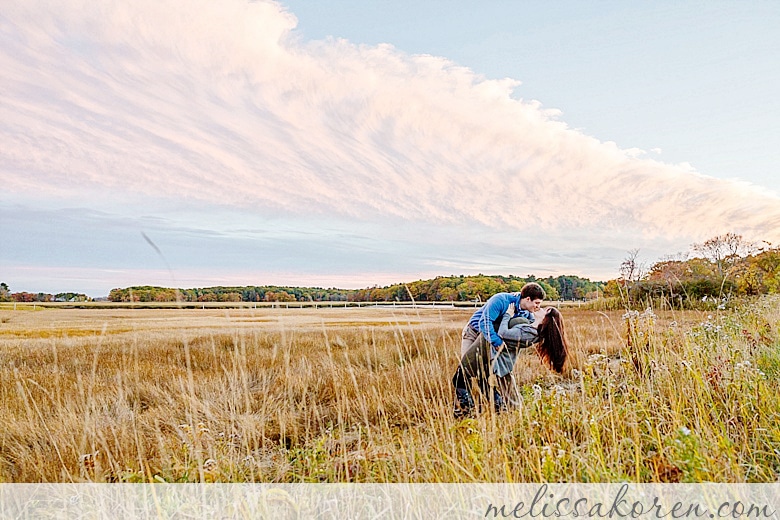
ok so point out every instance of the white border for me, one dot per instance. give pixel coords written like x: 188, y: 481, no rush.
x: 358, y: 501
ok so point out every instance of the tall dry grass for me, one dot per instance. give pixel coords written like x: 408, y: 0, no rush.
x: 364, y: 395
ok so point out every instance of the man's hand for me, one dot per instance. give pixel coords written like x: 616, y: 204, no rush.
x: 511, y: 309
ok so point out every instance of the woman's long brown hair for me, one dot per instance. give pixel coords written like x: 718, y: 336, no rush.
x: 552, y: 346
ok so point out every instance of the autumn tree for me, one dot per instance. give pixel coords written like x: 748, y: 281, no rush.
x: 631, y: 272
x: 725, y: 251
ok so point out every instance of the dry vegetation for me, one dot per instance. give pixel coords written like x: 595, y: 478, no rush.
x: 364, y: 395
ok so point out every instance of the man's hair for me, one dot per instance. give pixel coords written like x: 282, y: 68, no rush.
x: 532, y: 290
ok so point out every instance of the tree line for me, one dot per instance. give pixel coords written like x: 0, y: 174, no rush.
x: 7, y: 296
x: 441, y: 288
x: 714, y: 270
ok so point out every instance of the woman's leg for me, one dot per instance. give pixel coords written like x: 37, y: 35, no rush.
x: 509, y: 392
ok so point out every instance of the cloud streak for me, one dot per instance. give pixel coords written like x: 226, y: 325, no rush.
x: 222, y: 104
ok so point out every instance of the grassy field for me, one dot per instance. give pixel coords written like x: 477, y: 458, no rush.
x: 364, y: 395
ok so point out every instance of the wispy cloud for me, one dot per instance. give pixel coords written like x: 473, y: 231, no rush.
x: 221, y: 104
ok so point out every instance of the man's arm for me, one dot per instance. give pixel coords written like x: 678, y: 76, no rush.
x: 495, y: 306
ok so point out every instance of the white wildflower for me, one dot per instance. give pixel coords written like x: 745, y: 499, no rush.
x: 596, y: 358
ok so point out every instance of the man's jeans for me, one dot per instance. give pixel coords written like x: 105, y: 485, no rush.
x: 467, y: 338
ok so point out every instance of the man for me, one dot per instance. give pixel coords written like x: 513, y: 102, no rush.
x: 484, y: 323
x: 488, y: 317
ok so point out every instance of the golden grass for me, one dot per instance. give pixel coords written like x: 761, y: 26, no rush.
x: 364, y: 395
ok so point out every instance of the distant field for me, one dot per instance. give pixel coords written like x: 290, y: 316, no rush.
x: 363, y: 394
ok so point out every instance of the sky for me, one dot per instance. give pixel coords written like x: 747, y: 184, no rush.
x: 350, y: 144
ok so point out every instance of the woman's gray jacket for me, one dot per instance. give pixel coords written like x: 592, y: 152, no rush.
x: 517, y: 334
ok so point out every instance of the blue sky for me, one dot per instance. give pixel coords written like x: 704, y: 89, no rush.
x: 694, y: 81
x: 351, y: 144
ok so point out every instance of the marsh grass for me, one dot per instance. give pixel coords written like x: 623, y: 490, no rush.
x: 338, y: 395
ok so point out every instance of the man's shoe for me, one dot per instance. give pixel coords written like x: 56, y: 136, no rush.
x: 464, y: 407
x: 498, y: 401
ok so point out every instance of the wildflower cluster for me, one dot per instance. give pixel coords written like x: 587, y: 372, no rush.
x: 553, y: 458
x: 711, y: 329
x: 749, y: 370
x: 719, y: 303
x: 599, y: 363
x: 639, y: 326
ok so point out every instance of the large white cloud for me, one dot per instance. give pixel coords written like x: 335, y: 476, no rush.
x: 222, y: 102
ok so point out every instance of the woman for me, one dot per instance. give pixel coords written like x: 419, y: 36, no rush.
x: 482, y: 360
